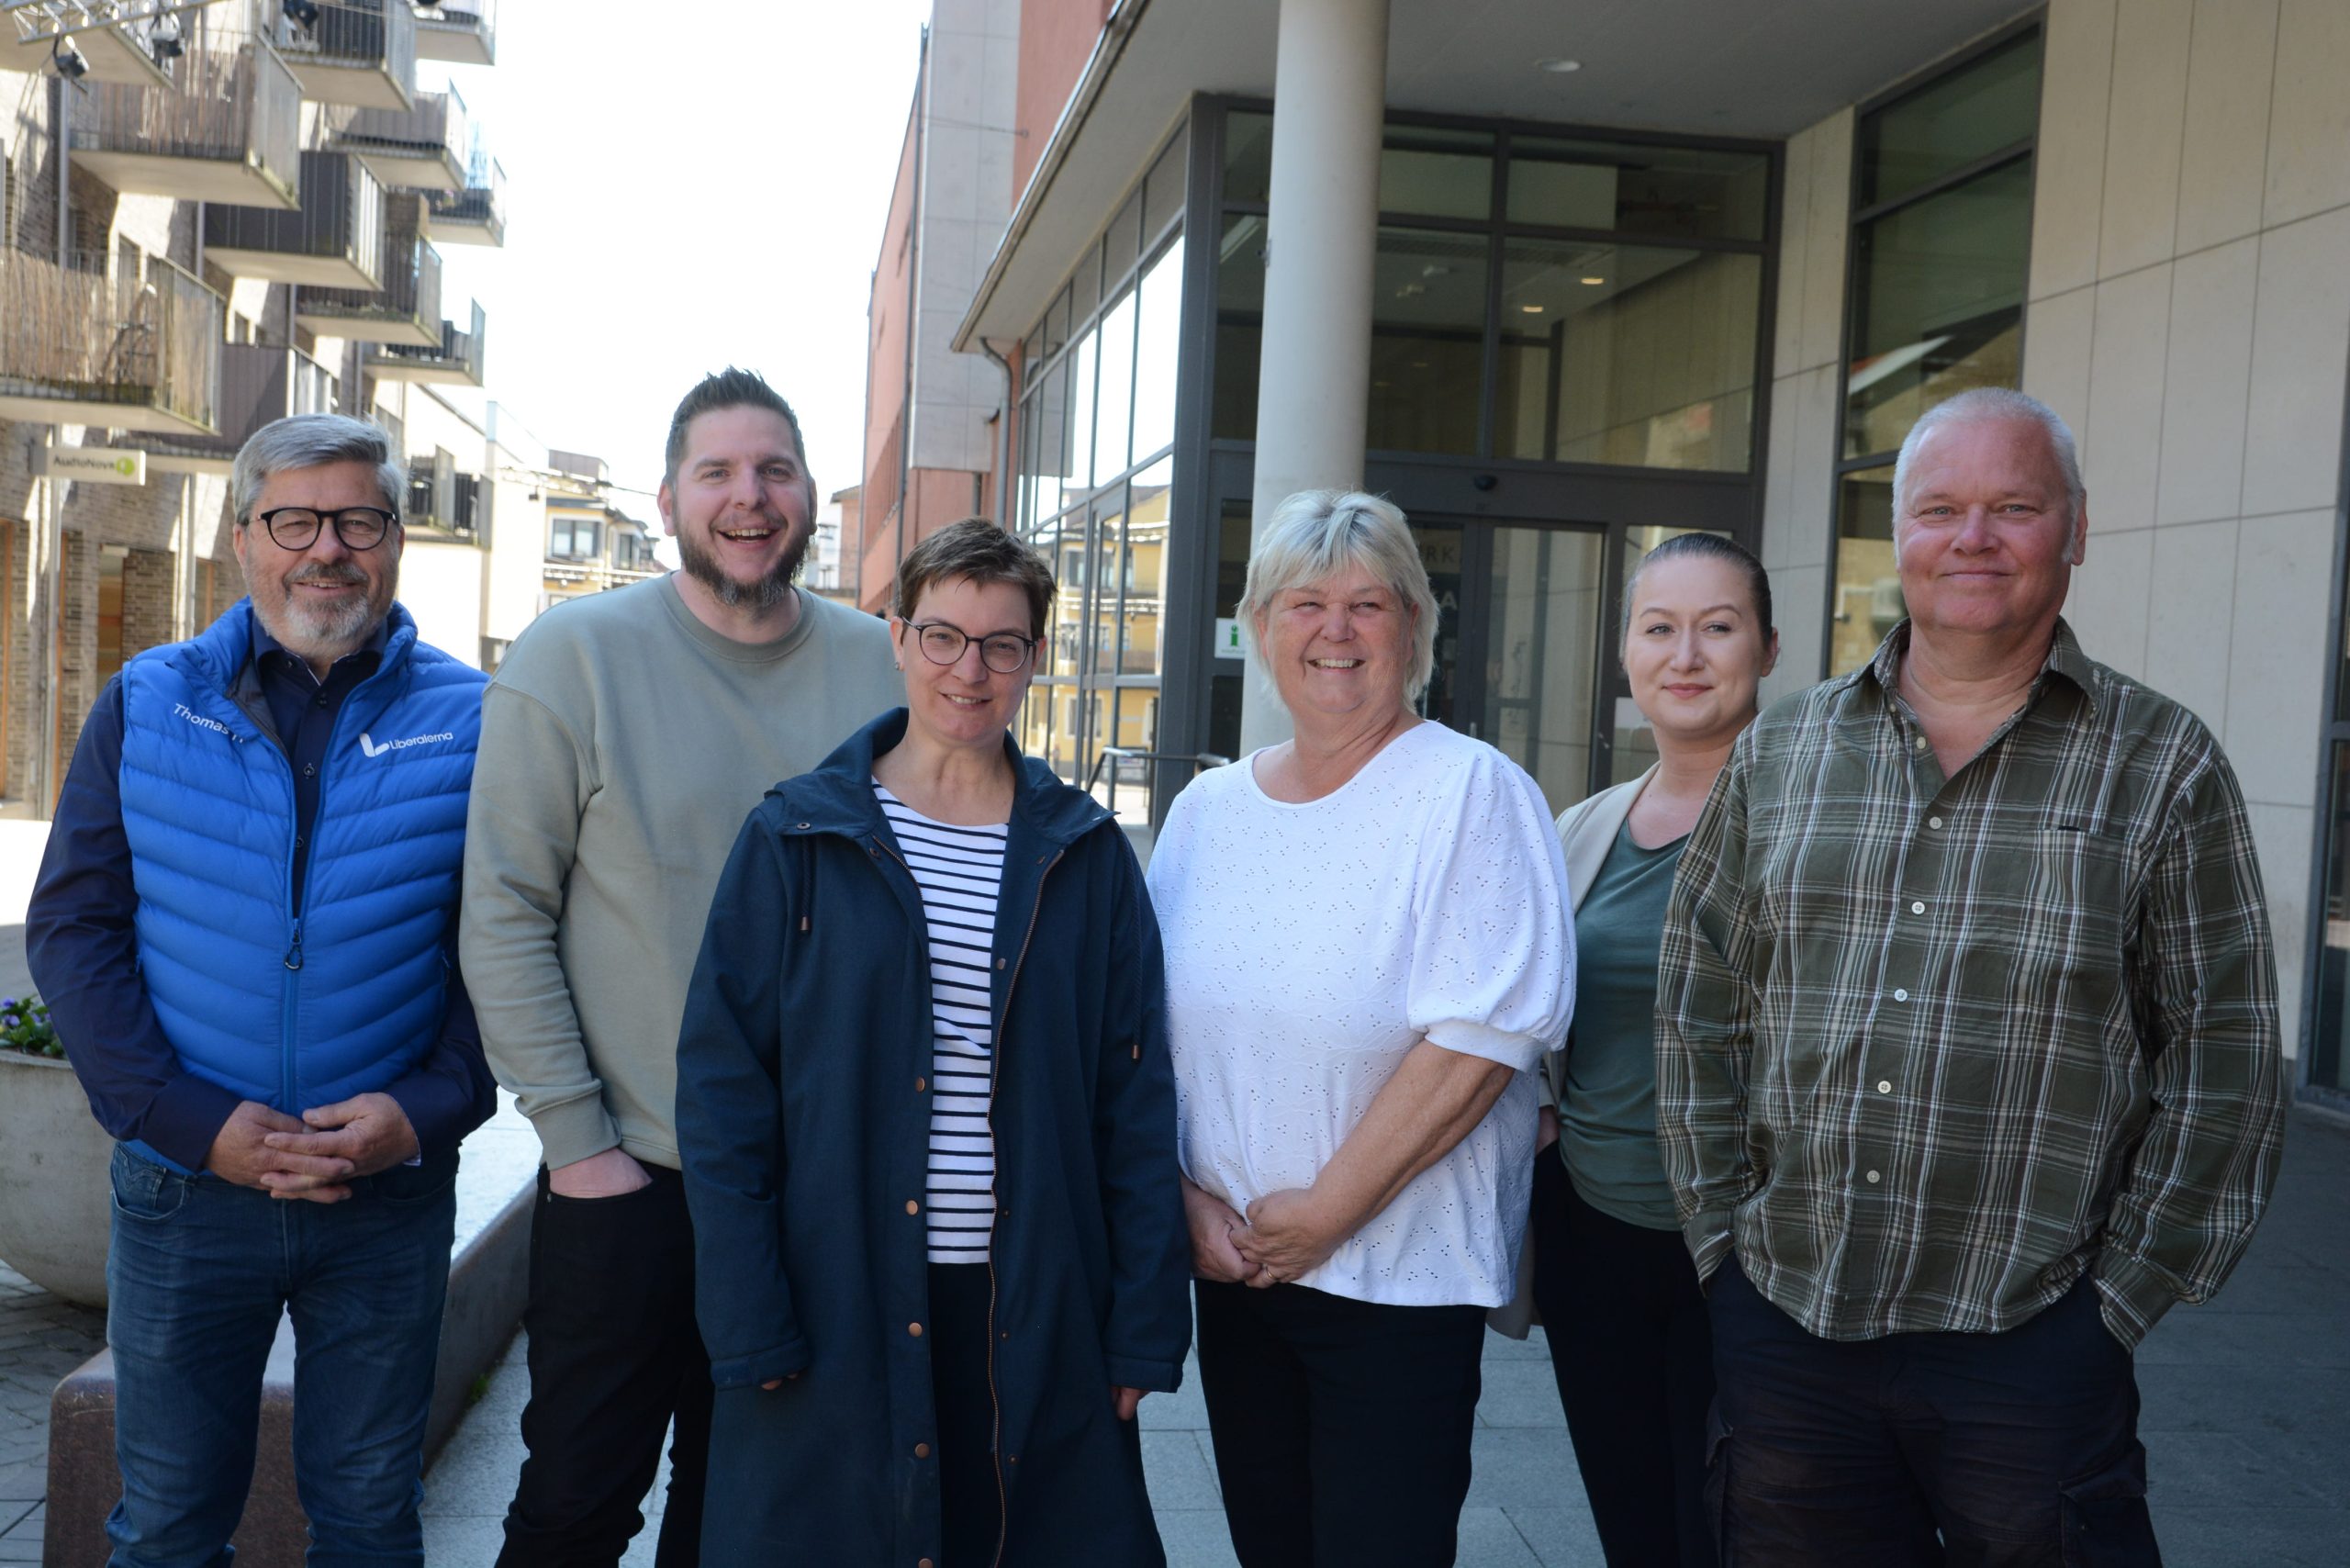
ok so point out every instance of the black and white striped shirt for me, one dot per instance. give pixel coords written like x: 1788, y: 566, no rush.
x: 958, y: 871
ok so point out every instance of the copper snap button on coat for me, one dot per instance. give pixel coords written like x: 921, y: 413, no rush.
x: 914, y: 1330
x: 921, y: 1450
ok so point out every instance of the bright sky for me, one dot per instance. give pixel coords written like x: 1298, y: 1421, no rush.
x: 688, y: 186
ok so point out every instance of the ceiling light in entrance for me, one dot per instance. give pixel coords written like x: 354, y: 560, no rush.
x: 1558, y: 65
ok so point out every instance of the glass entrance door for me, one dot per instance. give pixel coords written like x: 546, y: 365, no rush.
x: 1520, y: 611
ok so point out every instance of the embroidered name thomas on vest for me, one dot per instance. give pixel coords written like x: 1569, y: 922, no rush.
x: 181, y: 709
x: 373, y: 749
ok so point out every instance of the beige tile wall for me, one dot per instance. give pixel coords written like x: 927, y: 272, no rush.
x: 2189, y: 315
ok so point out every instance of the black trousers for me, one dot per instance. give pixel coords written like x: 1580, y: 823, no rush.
x: 2017, y: 1450
x: 1633, y: 1355
x: 1341, y: 1428
x: 970, y: 1497
x: 615, y: 1356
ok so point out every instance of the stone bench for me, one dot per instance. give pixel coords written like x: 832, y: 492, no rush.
x: 489, y: 1283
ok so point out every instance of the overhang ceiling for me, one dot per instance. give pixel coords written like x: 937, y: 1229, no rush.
x: 1743, y: 68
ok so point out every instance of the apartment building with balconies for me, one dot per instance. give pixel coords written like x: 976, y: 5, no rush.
x: 592, y: 543
x: 213, y: 215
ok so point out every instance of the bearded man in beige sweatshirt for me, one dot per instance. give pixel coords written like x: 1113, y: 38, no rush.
x: 624, y: 740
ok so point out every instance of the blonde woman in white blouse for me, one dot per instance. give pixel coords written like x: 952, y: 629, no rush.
x: 1367, y: 956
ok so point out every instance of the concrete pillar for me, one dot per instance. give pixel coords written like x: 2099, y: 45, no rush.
x: 1322, y: 229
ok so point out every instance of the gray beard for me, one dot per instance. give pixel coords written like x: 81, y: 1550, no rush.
x: 319, y: 632
x: 765, y: 594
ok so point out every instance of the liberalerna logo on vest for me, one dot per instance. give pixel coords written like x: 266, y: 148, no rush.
x: 369, y: 745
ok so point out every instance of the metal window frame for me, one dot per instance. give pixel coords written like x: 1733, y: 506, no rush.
x: 2024, y: 149
x: 2334, y: 730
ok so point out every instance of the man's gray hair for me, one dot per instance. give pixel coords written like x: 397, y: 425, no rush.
x: 312, y: 440
x: 1315, y: 535
x: 1983, y: 404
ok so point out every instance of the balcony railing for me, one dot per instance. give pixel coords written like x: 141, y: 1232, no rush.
x: 464, y: 32
x: 356, y: 52
x: 335, y: 239
x: 228, y: 133
x: 421, y: 148
x: 456, y: 360
x: 475, y: 216
x: 77, y: 348
x: 259, y: 384
x: 405, y: 308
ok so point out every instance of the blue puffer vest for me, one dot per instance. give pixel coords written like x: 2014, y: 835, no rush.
x: 348, y: 998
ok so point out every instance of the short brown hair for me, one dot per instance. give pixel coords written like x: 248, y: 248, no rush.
x: 977, y: 550
x: 729, y: 388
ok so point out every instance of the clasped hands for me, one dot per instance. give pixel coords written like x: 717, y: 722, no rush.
x: 316, y: 1157
x: 1285, y: 1235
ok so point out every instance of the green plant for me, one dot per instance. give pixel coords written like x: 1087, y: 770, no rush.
x: 25, y: 1027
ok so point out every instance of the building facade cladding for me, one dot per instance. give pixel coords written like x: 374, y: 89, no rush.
x: 932, y: 414
x: 173, y: 223
x: 2170, y: 186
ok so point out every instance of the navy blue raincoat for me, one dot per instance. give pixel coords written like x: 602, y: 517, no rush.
x: 803, y: 1121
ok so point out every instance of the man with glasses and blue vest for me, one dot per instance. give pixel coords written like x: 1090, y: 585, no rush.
x: 245, y: 927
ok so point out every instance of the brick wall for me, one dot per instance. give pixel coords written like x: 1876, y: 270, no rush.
x: 145, y: 600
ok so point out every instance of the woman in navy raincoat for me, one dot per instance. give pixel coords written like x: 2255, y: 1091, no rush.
x: 928, y: 1131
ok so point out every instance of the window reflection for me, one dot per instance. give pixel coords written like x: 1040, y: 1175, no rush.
x: 1627, y: 354
x: 1868, y: 582
x: 1937, y: 304
x: 1115, y: 406
x: 1437, y: 173
x: 1240, y: 326
x: 1427, y: 340
x: 1969, y: 113
x: 1157, y: 346
x: 1687, y: 192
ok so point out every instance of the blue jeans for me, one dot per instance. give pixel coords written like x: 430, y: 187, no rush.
x: 197, y: 1277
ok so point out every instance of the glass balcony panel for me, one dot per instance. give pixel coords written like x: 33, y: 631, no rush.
x: 455, y: 361
x: 405, y: 308
x: 427, y: 147
x: 335, y: 239
x: 229, y: 130
x: 353, y: 51
x: 463, y: 32
x: 76, y: 349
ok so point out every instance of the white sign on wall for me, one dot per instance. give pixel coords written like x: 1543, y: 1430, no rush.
x: 1227, y: 639
x: 92, y: 464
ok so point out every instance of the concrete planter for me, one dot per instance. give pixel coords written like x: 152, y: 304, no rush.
x: 56, y: 1202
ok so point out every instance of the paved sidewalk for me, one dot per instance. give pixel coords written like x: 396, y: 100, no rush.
x: 2246, y: 1421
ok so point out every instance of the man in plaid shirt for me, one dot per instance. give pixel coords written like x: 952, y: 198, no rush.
x: 1968, y: 1063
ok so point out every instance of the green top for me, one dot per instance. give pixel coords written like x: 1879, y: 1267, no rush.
x: 623, y: 745
x: 1608, y: 1116
x: 1929, y: 1045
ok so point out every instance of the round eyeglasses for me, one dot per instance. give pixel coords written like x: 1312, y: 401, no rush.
x: 296, y: 528
x: 1003, y: 651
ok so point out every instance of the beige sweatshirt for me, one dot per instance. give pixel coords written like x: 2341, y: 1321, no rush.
x: 623, y: 745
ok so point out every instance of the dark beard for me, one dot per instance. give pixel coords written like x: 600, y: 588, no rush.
x: 763, y: 593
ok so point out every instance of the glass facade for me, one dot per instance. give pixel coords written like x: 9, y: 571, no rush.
x: 1579, y: 311
x: 1941, y: 188
x: 1542, y: 327
x: 1096, y: 472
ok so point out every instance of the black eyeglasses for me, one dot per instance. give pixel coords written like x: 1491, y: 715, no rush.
x: 1003, y: 651
x: 296, y: 528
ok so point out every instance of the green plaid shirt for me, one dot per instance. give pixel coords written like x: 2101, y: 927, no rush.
x: 1929, y: 1048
